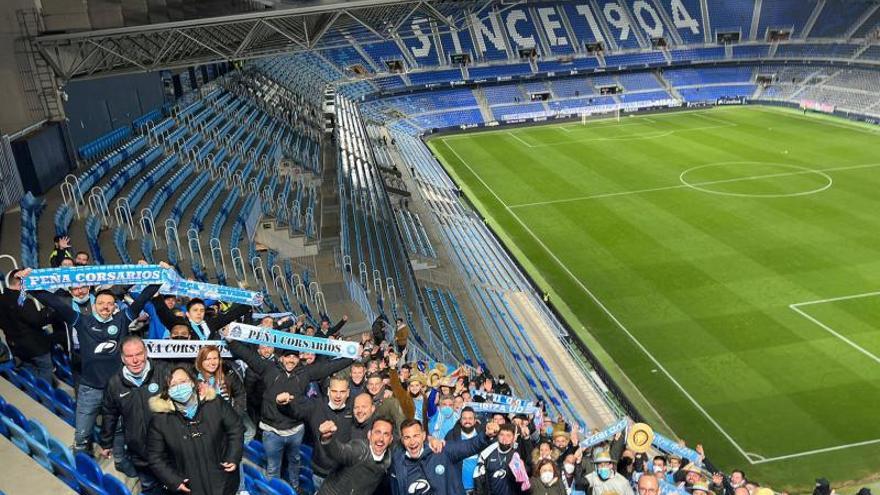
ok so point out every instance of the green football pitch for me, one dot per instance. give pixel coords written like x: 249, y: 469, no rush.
x: 723, y: 263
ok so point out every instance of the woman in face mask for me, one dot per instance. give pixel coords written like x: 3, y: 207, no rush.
x: 546, y: 480
x: 195, y: 441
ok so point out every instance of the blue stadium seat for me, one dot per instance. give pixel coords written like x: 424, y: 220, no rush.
x: 17, y: 435
x: 90, y: 475
x: 282, y: 487
x: 253, y: 472
x: 112, y: 486
x: 254, y: 452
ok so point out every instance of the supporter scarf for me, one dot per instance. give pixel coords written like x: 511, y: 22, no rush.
x: 672, y: 447
x: 260, y: 316
x: 136, y: 380
x: 502, y: 399
x: 174, y: 349
x: 295, y: 342
x: 489, y: 407
x: 604, y: 435
x: 52, y: 279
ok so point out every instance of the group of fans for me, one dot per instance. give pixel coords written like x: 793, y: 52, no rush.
x: 378, y: 424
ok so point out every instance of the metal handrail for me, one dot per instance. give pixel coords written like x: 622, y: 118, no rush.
x: 98, y: 205
x: 216, y: 247
x: 192, y: 235
x: 238, y: 264
x: 174, y: 238
x: 123, y: 215
x: 146, y: 221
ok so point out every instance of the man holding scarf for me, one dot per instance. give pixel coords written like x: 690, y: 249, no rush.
x: 99, y: 335
x: 202, y: 328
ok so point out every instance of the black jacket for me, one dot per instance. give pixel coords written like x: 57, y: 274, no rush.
x: 358, y: 472
x: 98, y: 341
x: 179, y: 448
x: 314, y: 412
x: 23, y: 326
x: 123, y: 399
x: 277, y: 380
x: 214, y: 323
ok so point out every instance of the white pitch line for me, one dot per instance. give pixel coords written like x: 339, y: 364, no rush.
x: 817, y: 451
x: 815, y: 119
x: 514, y: 136
x: 841, y: 298
x: 605, y: 309
x: 836, y: 334
x: 635, y: 137
x: 683, y: 186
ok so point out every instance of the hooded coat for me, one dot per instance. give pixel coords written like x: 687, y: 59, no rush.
x: 181, y: 449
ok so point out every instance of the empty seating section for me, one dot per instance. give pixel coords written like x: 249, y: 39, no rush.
x: 374, y: 256
x: 638, y: 81
x: 381, y: 52
x: 700, y: 77
x: 731, y: 15
x: 713, y: 93
x: 836, y: 18
x: 751, y: 51
x: 346, y: 57
x: 499, y: 71
x: 434, y: 101
x: 434, y: 77
x: 414, y: 233
x: 95, y: 148
x: 508, y: 93
x: 573, y: 87
x: 868, y: 81
x: 568, y: 66
x: 390, y: 82
x: 790, y: 14
x: 511, y: 112
x: 696, y: 54
x: 870, y: 26
x: 872, y: 53
x: 634, y: 59
x: 449, y: 119
x: 817, y: 50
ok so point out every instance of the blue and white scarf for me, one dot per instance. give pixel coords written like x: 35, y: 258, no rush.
x: 176, y: 349
x: 292, y: 341
x: 502, y: 399
x: 489, y: 407
x: 52, y: 279
x: 670, y: 446
x: 274, y: 316
x: 604, y: 435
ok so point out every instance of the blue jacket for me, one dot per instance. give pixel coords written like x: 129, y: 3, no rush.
x: 438, y: 468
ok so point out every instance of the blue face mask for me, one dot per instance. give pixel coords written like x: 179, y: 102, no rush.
x: 604, y: 473
x: 446, y: 411
x: 548, y: 430
x: 181, y: 392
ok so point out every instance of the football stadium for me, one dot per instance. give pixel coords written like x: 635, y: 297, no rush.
x: 440, y: 247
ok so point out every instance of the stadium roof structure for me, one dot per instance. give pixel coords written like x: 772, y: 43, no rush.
x: 309, y: 25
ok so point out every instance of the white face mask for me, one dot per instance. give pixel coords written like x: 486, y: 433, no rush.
x: 546, y: 477
x: 569, y: 468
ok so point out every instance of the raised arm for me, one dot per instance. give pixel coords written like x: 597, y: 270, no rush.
x: 165, y: 315
x: 149, y: 291
x: 64, y: 310
x: 323, y: 369
x: 235, y: 312
x: 242, y: 351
